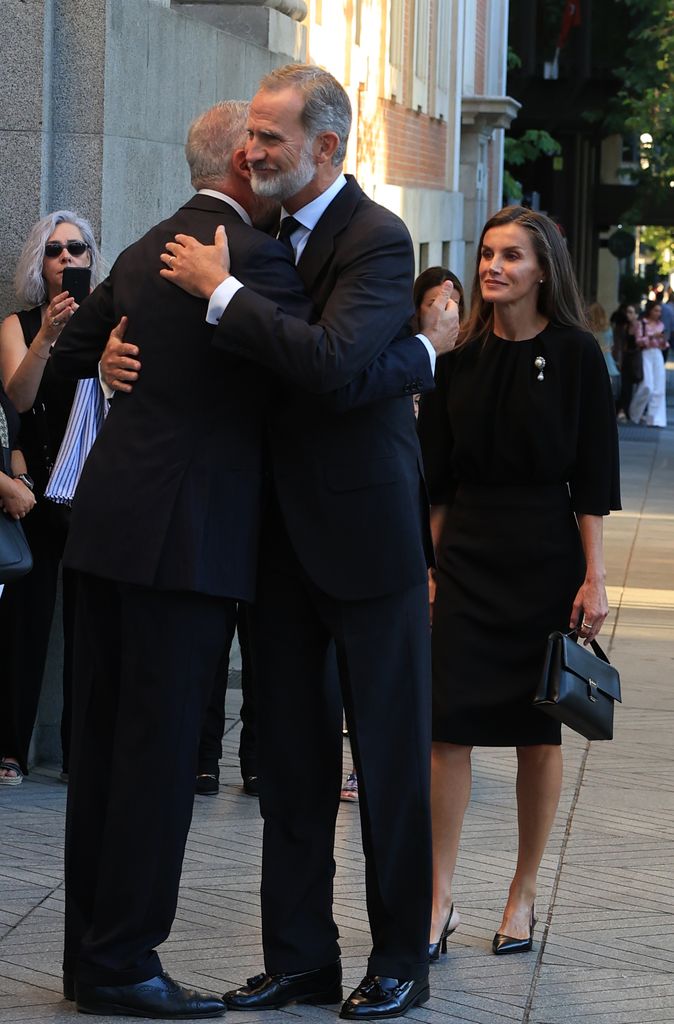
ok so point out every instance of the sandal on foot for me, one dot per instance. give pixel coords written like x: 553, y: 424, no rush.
x: 349, y: 791
x: 11, y: 780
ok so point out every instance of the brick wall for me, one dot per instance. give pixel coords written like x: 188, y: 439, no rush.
x: 403, y: 147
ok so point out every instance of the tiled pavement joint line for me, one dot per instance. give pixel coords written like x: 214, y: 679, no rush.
x: 22, y: 920
x: 555, y: 885
x: 531, y: 995
x: 635, y: 537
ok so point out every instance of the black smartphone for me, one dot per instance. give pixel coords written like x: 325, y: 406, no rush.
x: 77, y: 281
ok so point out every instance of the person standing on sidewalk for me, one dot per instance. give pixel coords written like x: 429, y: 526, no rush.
x: 521, y: 456
x: 649, y: 402
x: 164, y: 540
x: 344, y: 556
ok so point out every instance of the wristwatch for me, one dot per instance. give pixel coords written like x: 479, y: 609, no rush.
x: 25, y: 479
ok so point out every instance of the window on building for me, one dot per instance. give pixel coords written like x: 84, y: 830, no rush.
x: 421, y: 30
x: 357, y: 20
x: 423, y: 256
x: 442, y: 50
x: 421, y: 54
x: 396, y: 34
x: 445, y: 255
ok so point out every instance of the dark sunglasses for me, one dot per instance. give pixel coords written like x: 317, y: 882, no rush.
x: 75, y: 246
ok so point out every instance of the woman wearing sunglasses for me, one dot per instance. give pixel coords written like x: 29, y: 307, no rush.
x: 60, y: 240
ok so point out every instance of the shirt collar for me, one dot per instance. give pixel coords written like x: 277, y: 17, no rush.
x: 230, y: 202
x: 308, y: 216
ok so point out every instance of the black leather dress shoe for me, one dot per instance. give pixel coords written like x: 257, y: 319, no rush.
x: 251, y: 785
x: 206, y: 784
x: 271, y: 991
x: 160, y: 998
x: 378, y: 998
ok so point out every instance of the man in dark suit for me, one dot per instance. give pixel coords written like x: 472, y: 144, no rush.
x: 164, y: 535
x: 344, y: 557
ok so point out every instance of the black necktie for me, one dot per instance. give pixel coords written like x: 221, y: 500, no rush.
x: 288, y: 225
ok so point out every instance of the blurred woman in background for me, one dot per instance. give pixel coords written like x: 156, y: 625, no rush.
x: 59, y: 240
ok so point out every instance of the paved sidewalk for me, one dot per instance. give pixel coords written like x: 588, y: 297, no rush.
x: 604, y: 949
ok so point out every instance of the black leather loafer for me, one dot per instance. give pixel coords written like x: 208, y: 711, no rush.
x: 378, y: 998
x: 206, y: 784
x: 68, y: 987
x: 160, y: 998
x: 272, y: 991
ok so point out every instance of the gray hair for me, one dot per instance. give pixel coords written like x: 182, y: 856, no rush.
x: 327, y: 107
x: 28, y: 281
x: 212, y: 138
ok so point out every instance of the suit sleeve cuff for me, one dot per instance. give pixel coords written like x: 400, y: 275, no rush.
x: 221, y: 298
x: 429, y: 348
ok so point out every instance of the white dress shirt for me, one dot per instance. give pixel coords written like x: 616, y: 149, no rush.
x: 307, y: 217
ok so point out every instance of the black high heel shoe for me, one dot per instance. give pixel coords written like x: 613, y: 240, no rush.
x: 435, y: 948
x: 507, y: 944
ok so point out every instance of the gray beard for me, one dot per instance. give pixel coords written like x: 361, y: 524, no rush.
x: 285, y: 184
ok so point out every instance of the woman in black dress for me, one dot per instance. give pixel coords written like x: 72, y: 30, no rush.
x: 520, y: 450
x: 61, y: 239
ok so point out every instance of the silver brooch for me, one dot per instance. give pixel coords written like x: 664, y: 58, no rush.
x: 539, y: 363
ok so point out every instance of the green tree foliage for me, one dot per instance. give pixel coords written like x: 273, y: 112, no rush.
x: 528, y: 147
x: 661, y: 242
x: 646, y: 99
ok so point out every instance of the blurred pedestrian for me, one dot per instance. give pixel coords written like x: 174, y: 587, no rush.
x: 625, y: 322
x: 600, y: 327
x: 649, y: 402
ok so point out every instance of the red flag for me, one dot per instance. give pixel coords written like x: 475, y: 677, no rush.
x: 570, y: 19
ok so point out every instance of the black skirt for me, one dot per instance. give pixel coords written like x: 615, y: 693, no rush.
x: 509, y: 566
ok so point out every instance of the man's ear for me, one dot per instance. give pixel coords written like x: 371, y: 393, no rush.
x: 325, y: 146
x: 240, y: 164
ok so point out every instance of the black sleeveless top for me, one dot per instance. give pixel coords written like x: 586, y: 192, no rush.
x: 43, y: 426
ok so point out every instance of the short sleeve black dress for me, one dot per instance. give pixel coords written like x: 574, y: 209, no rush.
x: 514, y: 449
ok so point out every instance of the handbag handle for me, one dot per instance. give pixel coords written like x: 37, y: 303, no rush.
x: 593, y: 644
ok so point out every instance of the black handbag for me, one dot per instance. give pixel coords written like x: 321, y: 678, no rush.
x: 15, y: 557
x: 577, y: 688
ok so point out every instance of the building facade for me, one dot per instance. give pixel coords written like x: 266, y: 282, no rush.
x: 427, y: 83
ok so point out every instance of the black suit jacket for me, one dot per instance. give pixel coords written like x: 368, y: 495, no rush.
x: 349, y: 483
x: 170, y: 494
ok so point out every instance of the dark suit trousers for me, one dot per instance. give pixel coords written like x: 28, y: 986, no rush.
x: 212, y: 731
x: 383, y: 655
x: 145, y: 661
x: 26, y: 614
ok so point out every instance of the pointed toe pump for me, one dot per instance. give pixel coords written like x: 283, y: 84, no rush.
x: 450, y: 925
x: 503, y: 944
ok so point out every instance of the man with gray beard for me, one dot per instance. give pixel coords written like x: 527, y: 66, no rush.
x: 344, y: 556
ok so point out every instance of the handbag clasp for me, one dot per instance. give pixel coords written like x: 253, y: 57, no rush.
x: 592, y: 690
